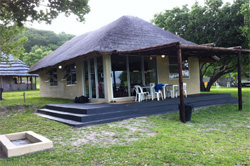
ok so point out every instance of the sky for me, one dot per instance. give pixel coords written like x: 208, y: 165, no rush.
x: 103, y: 12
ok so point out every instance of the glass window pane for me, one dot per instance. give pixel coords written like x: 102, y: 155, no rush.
x: 86, y: 79
x: 70, y: 75
x: 53, y: 77
x: 100, y: 77
x: 150, y: 70
x: 119, y: 74
x: 92, y: 70
x: 173, y: 67
x: 135, y: 72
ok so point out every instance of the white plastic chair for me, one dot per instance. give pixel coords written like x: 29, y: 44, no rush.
x: 140, y: 95
x: 175, y: 89
x: 185, y: 88
x: 167, y: 91
x: 217, y: 85
x: 153, y: 92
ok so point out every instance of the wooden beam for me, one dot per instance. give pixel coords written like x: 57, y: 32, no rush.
x: 215, y: 58
x: 208, y: 45
x: 182, y: 105
x: 239, y: 82
x: 214, y: 49
x: 235, y: 47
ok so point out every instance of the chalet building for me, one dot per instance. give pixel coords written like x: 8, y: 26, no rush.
x: 105, y: 64
x: 14, y: 76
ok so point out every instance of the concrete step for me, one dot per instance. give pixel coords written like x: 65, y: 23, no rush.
x: 62, y: 120
x: 107, y: 115
x: 81, y: 124
x: 66, y: 109
x: 61, y: 114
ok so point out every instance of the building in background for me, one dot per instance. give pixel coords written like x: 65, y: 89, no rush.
x: 14, y: 76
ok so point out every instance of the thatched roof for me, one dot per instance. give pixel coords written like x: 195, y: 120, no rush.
x: 14, y: 68
x: 126, y: 33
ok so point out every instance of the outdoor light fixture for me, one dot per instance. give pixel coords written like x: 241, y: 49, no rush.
x: 151, y: 58
x: 163, y: 56
x: 60, y: 67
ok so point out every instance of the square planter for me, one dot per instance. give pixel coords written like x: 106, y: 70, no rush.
x: 17, y: 144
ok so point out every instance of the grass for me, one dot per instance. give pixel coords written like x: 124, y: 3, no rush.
x: 216, y: 136
x: 32, y: 97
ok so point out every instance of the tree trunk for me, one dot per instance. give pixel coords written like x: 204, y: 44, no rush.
x: 202, y: 86
x: 216, y: 76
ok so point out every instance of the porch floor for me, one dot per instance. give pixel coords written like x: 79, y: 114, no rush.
x: 78, y: 114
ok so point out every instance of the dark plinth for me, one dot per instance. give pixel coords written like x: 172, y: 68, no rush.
x: 78, y: 114
x: 1, y: 93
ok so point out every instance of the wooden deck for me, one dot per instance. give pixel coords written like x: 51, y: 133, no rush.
x: 78, y: 115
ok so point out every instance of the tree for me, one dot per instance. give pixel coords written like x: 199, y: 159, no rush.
x: 11, y: 41
x: 13, y: 13
x: 22, y: 11
x: 245, y: 10
x: 36, y: 53
x: 45, y: 41
x: 44, y: 38
x: 211, y: 23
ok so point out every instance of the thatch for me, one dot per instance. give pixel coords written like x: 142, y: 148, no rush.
x: 126, y: 33
x: 14, y: 68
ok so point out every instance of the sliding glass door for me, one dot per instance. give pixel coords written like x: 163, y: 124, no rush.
x: 128, y: 71
x: 93, y: 82
x: 119, y: 76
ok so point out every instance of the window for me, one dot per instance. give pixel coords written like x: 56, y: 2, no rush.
x: 100, y: 77
x: 53, y: 77
x: 173, y: 67
x: 86, y: 76
x: 128, y: 71
x: 70, y: 75
x: 150, y: 68
x: 119, y: 76
x: 93, y: 78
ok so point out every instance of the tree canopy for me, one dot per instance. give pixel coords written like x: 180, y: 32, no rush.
x: 14, y: 13
x: 21, y: 11
x: 11, y: 41
x: 225, y: 26
x: 44, y: 38
x: 41, y: 43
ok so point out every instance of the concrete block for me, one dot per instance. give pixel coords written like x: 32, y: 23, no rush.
x: 17, y: 144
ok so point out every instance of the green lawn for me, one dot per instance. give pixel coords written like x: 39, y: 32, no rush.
x: 32, y: 97
x: 215, y: 136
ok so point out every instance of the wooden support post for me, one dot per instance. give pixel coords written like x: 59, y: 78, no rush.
x: 18, y: 81
x: 182, y: 105
x: 24, y: 97
x: 27, y: 84
x: 239, y: 82
x: 35, y: 82
x: 31, y: 82
x: 1, y: 82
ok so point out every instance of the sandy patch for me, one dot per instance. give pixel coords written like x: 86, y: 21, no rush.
x: 117, y: 133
